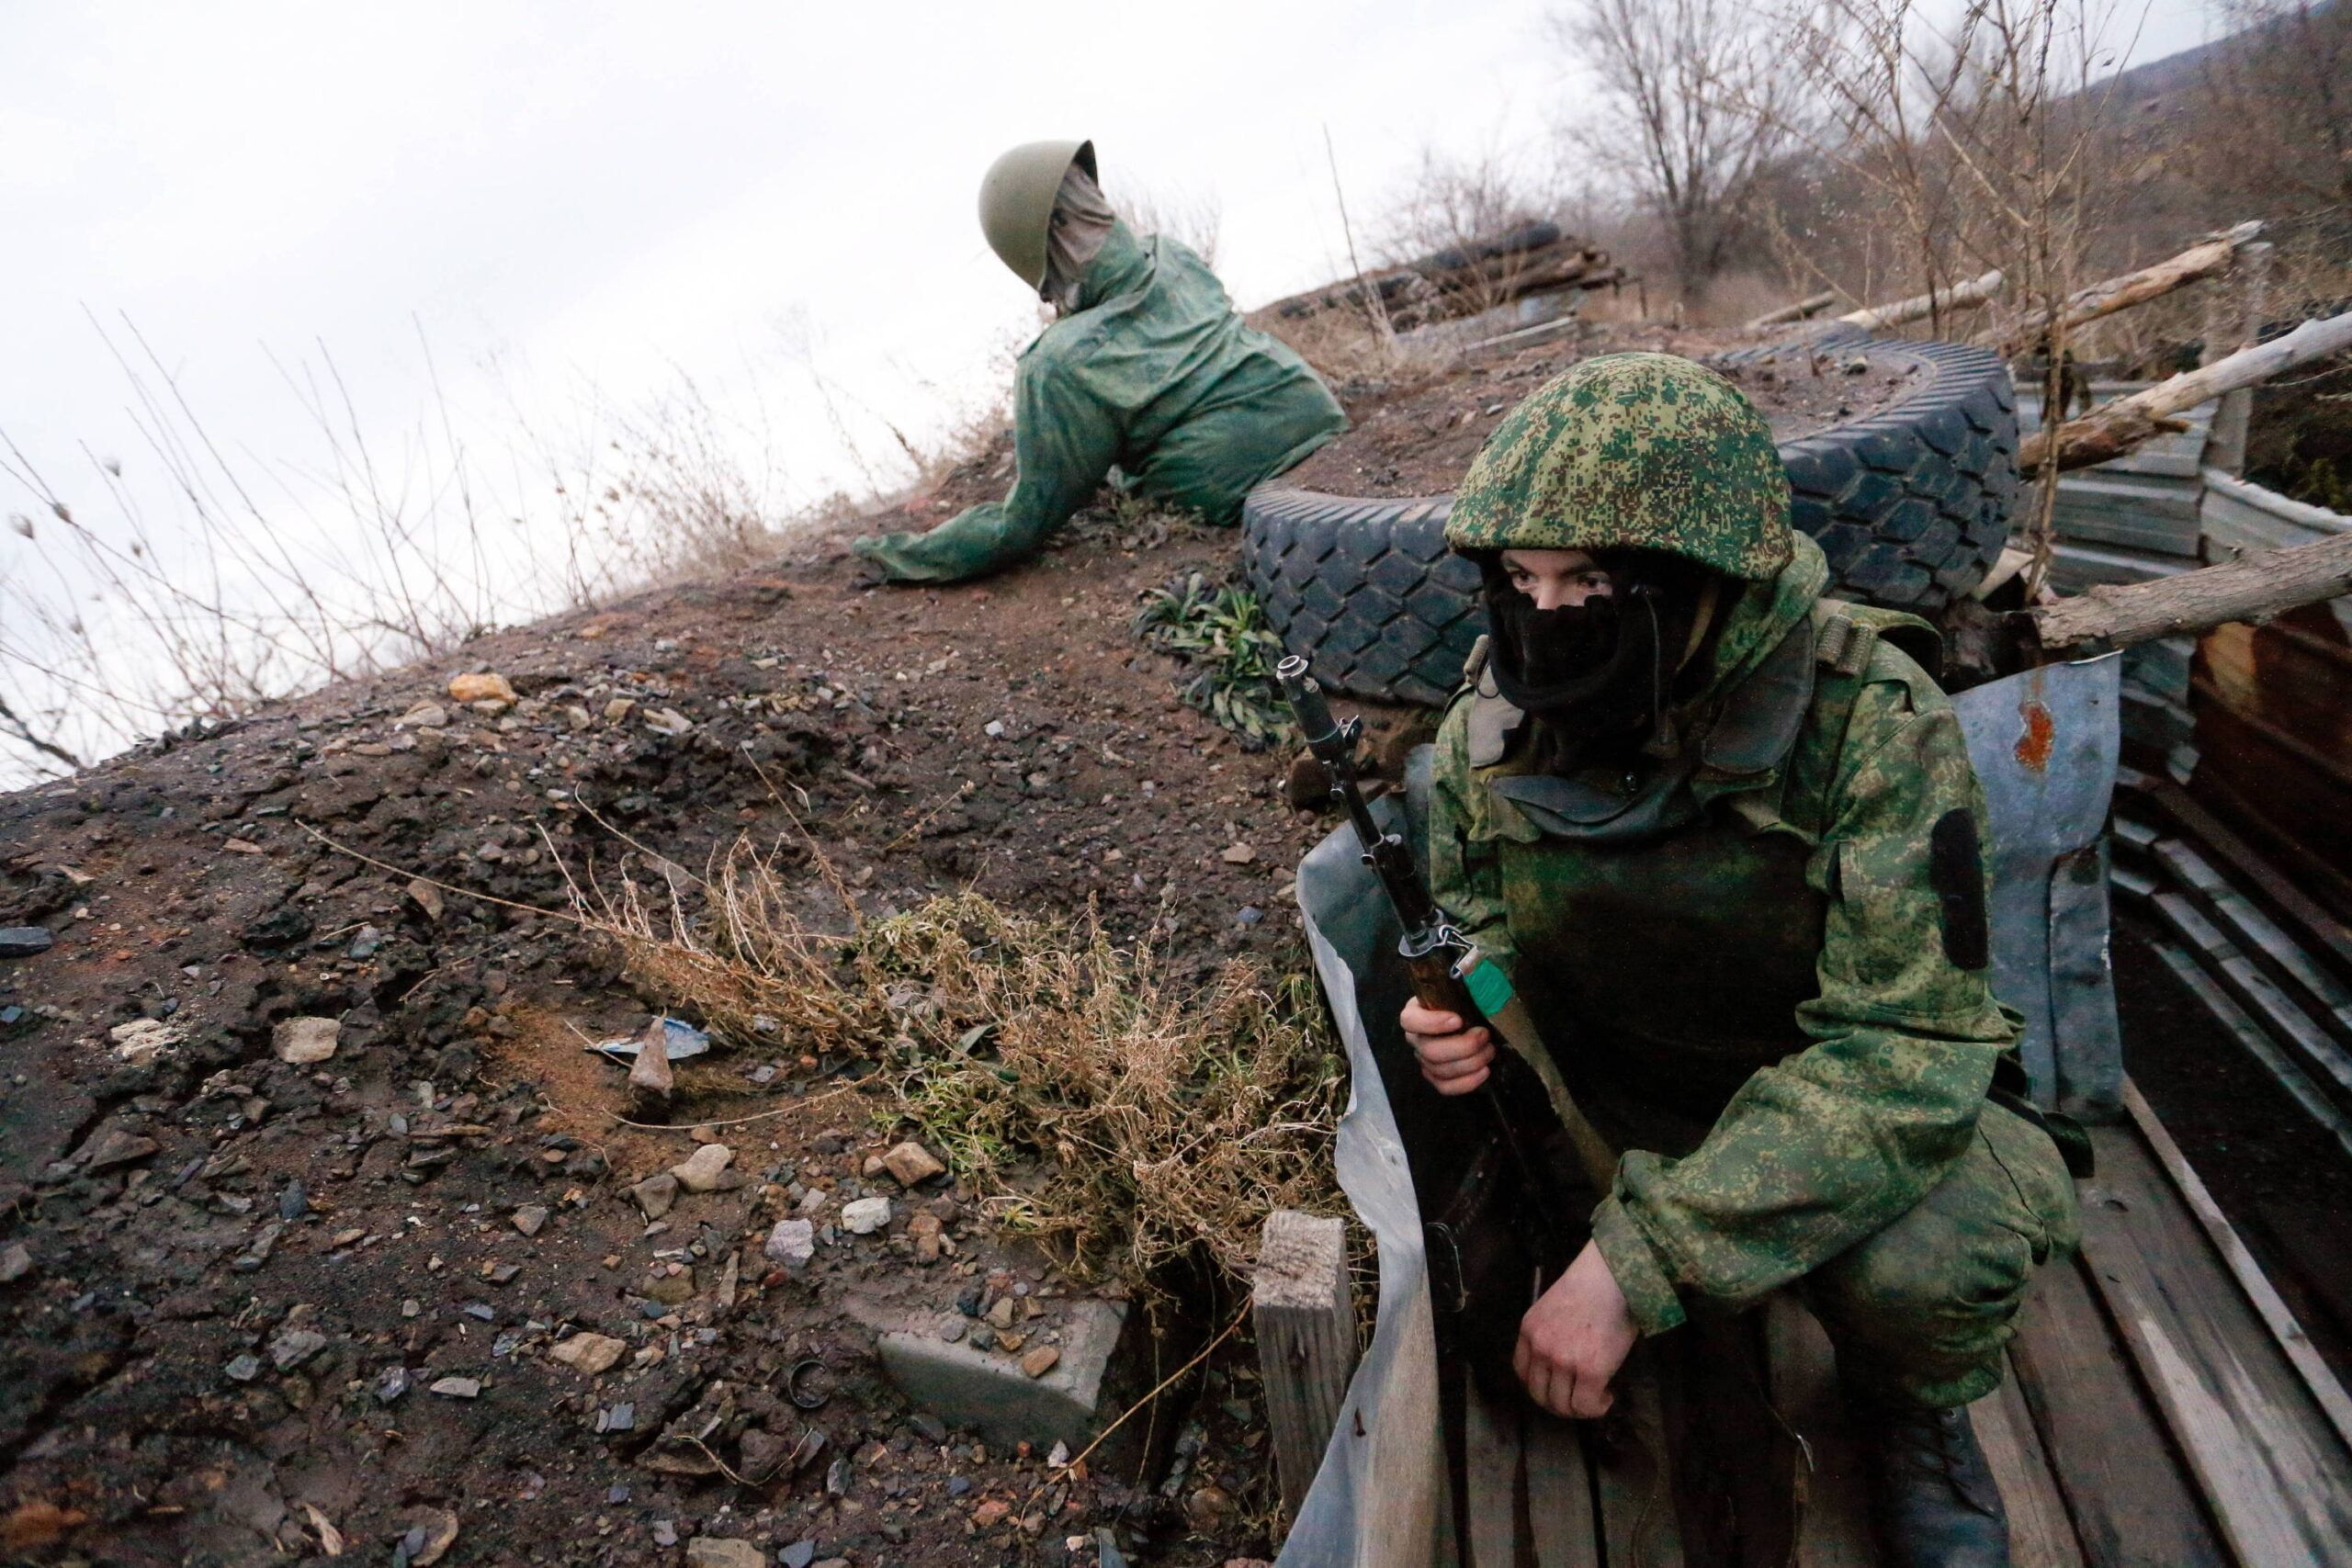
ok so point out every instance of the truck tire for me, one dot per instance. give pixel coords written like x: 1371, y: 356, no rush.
x: 1910, y: 504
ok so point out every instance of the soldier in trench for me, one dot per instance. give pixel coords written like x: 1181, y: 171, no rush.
x: 1147, y: 368
x: 1723, y: 836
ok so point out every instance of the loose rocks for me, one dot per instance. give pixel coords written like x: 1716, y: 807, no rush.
x: 792, y: 1243
x: 712, y: 1551
x: 487, y: 687
x: 655, y: 1194
x: 912, y: 1163
x: 433, y: 1533
x: 303, y: 1040
x: 650, y: 1079
x: 24, y: 942
x: 115, y: 1146
x: 143, y: 1040
x: 700, y: 1171
x: 865, y: 1215
x: 588, y: 1353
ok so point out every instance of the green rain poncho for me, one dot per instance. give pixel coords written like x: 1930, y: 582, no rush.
x: 1153, y: 373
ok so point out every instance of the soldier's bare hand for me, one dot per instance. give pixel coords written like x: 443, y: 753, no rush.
x: 1573, y: 1338
x: 1456, y: 1060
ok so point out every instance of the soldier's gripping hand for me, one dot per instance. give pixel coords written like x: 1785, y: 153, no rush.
x: 1456, y: 1060
x: 1573, y: 1338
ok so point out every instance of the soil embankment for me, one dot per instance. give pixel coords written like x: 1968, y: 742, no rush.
x: 233, y: 1283
x: 1415, y: 435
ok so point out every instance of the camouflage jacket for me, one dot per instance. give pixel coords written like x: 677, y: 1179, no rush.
x: 1759, y: 963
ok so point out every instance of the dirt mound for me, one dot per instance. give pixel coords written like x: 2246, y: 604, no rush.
x: 231, y: 1283
x: 1417, y: 436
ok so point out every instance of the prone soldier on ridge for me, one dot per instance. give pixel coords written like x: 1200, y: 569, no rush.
x: 1148, y: 369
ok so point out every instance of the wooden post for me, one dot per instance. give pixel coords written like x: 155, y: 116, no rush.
x: 1812, y: 305
x: 2225, y: 445
x: 1306, y: 1340
x: 2112, y: 429
x: 1920, y: 306
x: 2213, y: 254
x: 2254, y: 587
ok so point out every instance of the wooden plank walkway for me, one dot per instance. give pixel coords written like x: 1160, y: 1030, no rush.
x: 2164, y: 1409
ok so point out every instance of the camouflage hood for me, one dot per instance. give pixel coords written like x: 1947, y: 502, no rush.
x: 1644, y: 451
x: 1757, y: 615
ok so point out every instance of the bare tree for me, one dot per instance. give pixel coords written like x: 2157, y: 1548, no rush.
x: 1458, y: 204
x: 1692, y: 105
x: 1193, y: 220
x: 1976, y: 145
x: 1451, y: 201
x: 2274, y: 107
x: 14, y: 727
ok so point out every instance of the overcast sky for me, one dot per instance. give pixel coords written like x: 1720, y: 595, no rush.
x: 622, y: 191
x: 553, y: 195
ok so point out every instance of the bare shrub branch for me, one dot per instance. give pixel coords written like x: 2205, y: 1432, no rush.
x: 1168, y: 1118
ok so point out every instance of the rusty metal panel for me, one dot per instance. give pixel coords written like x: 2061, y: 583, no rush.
x: 2045, y: 745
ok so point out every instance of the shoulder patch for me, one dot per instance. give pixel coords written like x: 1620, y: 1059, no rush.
x: 1956, y: 874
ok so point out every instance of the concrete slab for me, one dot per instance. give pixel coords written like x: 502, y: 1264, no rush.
x: 988, y: 1392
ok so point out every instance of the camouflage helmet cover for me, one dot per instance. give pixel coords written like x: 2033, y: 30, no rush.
x: 1646, y: 451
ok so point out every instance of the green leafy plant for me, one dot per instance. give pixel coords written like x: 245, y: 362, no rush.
x: 1220, y: 631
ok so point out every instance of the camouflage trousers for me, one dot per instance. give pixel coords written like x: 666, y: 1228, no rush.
x: 1925, y: 1307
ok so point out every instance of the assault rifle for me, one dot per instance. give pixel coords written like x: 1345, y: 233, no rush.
x: 1450, y: 974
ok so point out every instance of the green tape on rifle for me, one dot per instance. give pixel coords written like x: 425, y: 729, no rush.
x: 1489, y: 987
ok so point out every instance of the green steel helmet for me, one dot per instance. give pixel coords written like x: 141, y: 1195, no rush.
x: 1017, y: 202
x: 1646, y: 451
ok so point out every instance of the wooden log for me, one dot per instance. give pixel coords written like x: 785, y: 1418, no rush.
x: 2226, y: 446
x: 2255, y: 587
x: 2113, y: 429
x: 1504, y: 279
x: 1811, y: 305
x: 1306, y: 1340
x: 2205, y: 259
x: 1527, y: 261
x: 1920, y: 306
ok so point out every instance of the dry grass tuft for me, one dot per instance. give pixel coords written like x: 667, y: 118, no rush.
x: 1341, y: 345
x: 1126, y: 1118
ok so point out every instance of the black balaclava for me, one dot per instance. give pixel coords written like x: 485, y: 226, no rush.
x: 1599, y: 676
